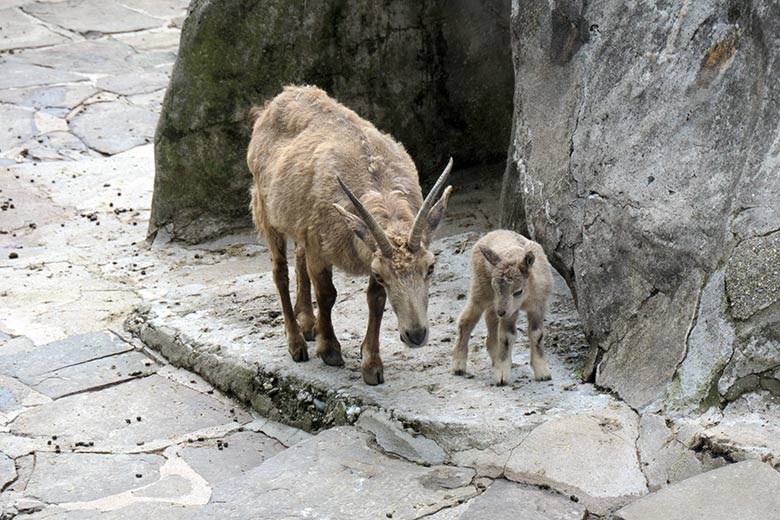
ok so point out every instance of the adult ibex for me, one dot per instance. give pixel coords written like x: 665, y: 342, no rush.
x: 349, y: 196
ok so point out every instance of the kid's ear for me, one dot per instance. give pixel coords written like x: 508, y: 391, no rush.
x: 355, y: 223
x: 527, y: 262
x: 489, y: 255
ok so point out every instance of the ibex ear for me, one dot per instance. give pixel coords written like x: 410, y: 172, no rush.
x: 355, y: 223
x: 489, y: 255
x: 437, y: 211
x: 527, y: 262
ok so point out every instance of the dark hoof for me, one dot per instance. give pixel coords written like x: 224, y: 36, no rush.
x: 309, y: 335
x: 332, y: 358
x: 374, y: 376
x: 300, y: 355
x: 459, y: 372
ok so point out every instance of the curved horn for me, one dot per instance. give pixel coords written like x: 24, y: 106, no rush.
x: 382, y: 242
x: 415, y: 235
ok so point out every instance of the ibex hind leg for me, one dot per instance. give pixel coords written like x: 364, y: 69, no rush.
x: 277, y: 246
x: 328, y: 347
x: 304, y: 311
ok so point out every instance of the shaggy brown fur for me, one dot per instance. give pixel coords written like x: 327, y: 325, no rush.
x: 301, y: 141
x: 510, y: 274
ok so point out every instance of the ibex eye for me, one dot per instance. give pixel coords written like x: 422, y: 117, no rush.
x: 518, y: 293
x: 430, y: 269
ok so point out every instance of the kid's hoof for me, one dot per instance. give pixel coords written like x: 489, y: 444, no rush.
x: 542, y: 373
x: 308, y: 335
x: 331, y: 358
x: 373, y: 375
x: 546, y: 376
x: 459, y: 372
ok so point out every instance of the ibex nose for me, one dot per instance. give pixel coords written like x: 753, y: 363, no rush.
x: 501, y: 314
x: 417, y: 336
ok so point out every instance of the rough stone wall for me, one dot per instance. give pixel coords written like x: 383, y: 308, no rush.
x: 436, y: 74
x: 645, y: 157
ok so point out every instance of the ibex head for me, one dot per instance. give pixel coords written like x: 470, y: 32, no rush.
x: 403, y: 267
x: 509, y: 278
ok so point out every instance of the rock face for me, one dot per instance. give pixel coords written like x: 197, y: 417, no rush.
x: 645, y: 157
x: 436, y: 75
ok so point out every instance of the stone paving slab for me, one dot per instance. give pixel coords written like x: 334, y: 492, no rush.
x: 134, y: 83
x: 592, y: 456
x: 505, y: 500
x: 83, y: 477
x: 32, y: 367
x: 746, y: 490
x: 48, y: 97
x: 109, y: 418
x: 7, y: 470
x: 93, y: 375
x: 18, y: 73
x: 232, y: 456
x: 114, y: 127
x: 88, y: 56
x: 92, y: 16
x: 337, y: 475
x: 165, y: 39
x: 18, y: 125
x: 18, y: 30
x: 143, y: 510
x: 16, y: 396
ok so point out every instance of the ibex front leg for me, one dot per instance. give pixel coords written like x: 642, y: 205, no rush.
x: 328, y: 347
x: 371, y: 365
x: 296, y: 343
x: 536, y: 339
x: 502, y: 352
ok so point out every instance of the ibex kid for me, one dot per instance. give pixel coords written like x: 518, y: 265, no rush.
x: 509, y: 273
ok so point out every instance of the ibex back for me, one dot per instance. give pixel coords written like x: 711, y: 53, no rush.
x: 349, y: 196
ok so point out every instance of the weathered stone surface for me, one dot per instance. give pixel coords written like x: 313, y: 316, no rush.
x: 163, y: 39
x: 748, y: 489
x: 15, y: 395
x: 743, y: 373
x: 753, y: 276
x: 103, y: 417
x: 336, y: 474
x: 508, y: 501
x: 88, y: 56
x: 394, y: 440
x: 156, y: 510
x: 7, y: 470
x: 629, y: 177
x: 81, y: 477
x: 18, y: 73
x: 32, y: 365
x: 747, y: 430
x: 134, y: 83
x: 57, y: 96
x: 92, y: 375
x: 592, y: 456
x: 17, y: 126
x: 17, y: 31
x: 710, y: 346
x: 91, y: 16
x: 665, y: 460
x: 451, y: 79
x: 245, y: 450
x: 114, y: 127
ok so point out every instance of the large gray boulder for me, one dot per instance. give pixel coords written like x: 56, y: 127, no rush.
x: 645, y: 157
x: 436, y: 74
